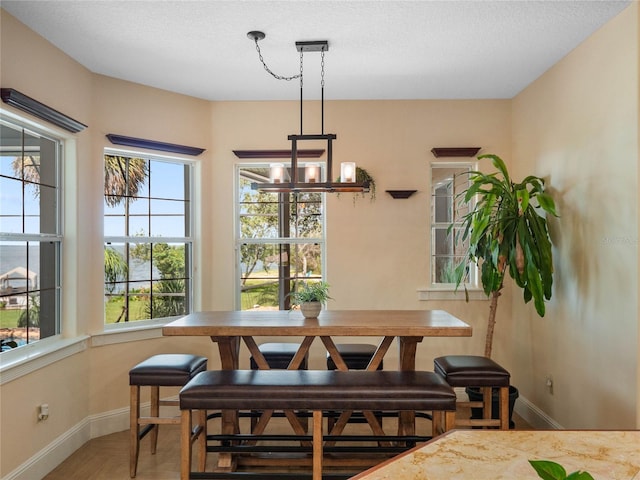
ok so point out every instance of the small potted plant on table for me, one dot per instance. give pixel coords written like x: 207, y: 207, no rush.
x: 310, y: 296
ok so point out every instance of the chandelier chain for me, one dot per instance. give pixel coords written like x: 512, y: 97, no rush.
x: 322, y: 69
x: 277, y: 77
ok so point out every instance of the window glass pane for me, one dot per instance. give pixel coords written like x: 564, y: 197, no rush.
x: 306, y: 260
x: 259, y: 294
x: 168, y: 218
x: 114, y: 307
x: 31, y: 214
x: 169, y: 261
x: 138, y: 206
x: 6, y: 166
x: 138, y: 217
x: 47, y: 259
x: 10, y: 205
x: 114, y: 220
x: 116, y: 268
x: 48, y: 300
x: 139, y: 256
x: 138, y: 303
x: 168, y: 299
x: 48, y: 209
x: 138, y: 226
x: 259, y: 216
x: 15, y: 276
x: 46, y: 163
x: 306, y: 219
x: 168, y: 180
x: 444, y: 268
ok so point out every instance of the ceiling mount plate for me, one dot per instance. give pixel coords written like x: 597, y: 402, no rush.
x: 256, y: 35
x: 313, y: 46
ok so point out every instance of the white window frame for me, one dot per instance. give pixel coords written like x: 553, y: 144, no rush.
x: 149, y: 328
x: 439, y: 290
x: 19, y: 354
x: 321, y: 241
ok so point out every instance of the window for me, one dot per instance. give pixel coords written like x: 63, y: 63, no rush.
x: 280, y: 241
x: 148, y: 244
x: 30, y: 235
x: 448, y: 181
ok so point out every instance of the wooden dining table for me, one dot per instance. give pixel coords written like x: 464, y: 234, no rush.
x: 229, y: 328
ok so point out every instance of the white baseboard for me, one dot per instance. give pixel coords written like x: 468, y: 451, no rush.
x: 53, y: 454
x: 534, y: 416
x: 43, y: 462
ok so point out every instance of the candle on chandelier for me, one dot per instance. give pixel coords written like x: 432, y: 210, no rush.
x: 348, y: 172
x: 312, y: 173
x: 277, y: 173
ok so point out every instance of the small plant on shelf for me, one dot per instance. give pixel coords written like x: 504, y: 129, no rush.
x: 362, y: 176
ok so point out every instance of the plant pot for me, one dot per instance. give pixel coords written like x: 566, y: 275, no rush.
x: 475, y: 395
x: 311, y: 309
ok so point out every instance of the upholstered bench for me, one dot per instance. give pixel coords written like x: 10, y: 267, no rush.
x: 314, y: 390
x: 474, y: 371
x: 164, y: 370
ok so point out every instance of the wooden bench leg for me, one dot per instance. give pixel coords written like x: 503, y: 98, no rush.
x: 317, y: 445
x: 504, y: 408
x: 134, y: 438
x: 185, y: 445
x: 201, y: 437
x: 449, y: 420
x: 155, y: 412
x: 442, y: 421
x: 487, y: 403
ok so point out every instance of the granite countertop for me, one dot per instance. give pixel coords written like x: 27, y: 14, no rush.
x: 495, y: 455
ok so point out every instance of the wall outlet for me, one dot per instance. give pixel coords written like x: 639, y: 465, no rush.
x: 549, y: 384
x: 43, y: 412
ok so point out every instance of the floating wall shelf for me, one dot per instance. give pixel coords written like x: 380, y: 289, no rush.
x: 153, y: 145
x: 401, y: 193
x: 302, y: 153
x: 20, y: 100
x: 455, y: 151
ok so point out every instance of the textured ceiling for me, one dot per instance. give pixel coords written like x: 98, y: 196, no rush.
x: 382, y: 49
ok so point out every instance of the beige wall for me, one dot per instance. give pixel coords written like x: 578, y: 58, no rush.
x: 377, y: 252
x: 94, y: 382
x: 577, y: 126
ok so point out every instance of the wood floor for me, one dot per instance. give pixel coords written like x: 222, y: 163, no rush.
x: 107, y: 457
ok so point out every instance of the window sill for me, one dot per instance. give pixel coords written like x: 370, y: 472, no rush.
x: 28, y: 359
x: 138, y: 331
x: 450, y: 294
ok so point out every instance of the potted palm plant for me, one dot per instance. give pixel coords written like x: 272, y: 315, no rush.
x: 506, y: 233
x: 310, y: 296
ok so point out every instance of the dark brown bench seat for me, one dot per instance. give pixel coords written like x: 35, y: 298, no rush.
x: 313, y: 390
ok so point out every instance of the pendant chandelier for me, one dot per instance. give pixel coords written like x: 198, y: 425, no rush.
x: 283, y: 178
